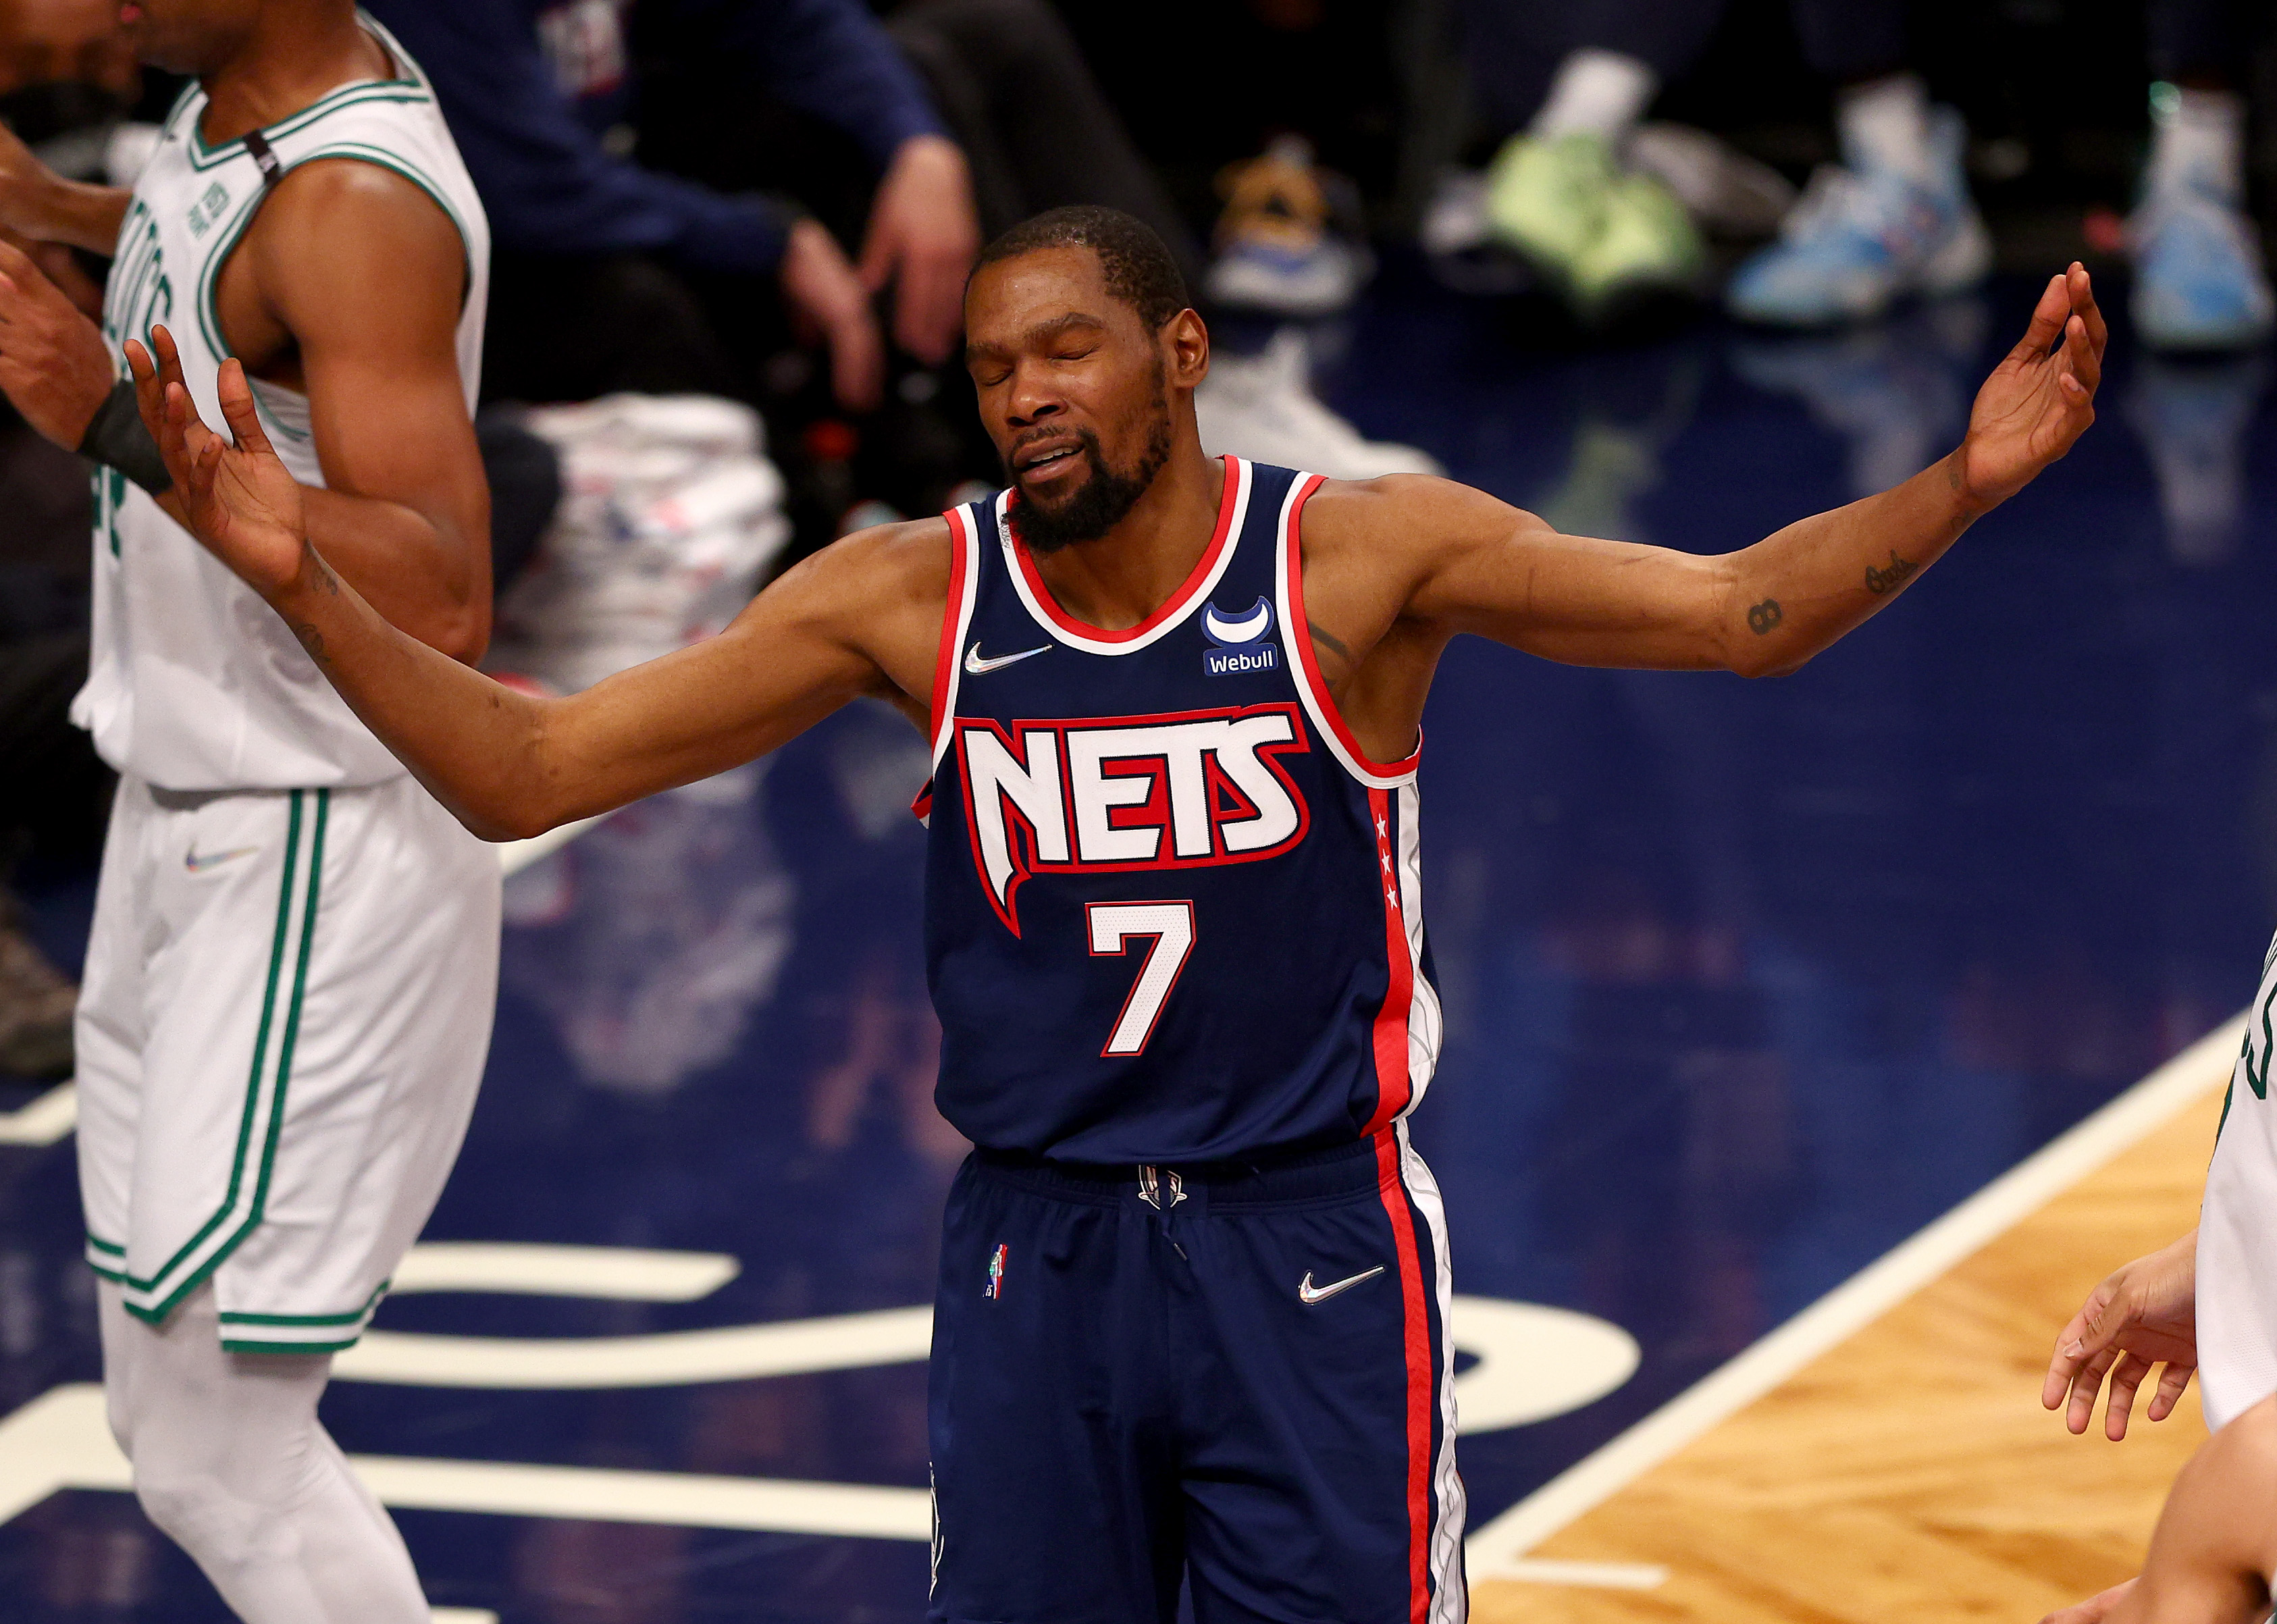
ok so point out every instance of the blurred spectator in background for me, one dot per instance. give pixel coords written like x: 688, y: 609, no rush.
x: 591, y: 292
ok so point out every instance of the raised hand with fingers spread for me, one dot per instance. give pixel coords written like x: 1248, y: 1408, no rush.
x: 2144, y: 1316
x: 238, y: 499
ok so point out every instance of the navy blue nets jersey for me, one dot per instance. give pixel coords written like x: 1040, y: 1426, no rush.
x: 1172, y: 911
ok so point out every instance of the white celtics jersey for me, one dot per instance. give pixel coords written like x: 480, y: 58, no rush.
x: 2237, y: 1229
x: 194, y: 682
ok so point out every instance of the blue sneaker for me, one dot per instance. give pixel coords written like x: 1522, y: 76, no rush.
x: 1860, y: 239
x: 2199, y: 280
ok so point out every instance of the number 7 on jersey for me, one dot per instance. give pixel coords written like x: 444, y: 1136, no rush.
x: 1113, y: 924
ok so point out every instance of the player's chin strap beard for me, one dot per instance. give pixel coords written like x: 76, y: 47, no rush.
x: 1100, y: 504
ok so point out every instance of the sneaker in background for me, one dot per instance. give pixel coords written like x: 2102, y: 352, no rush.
x: 1862, y: 238
x: 1279, y: 250
x: 2199, y: 284
x: 1262, y: 407
x: 1606, y: 236
x: 1726, y: 193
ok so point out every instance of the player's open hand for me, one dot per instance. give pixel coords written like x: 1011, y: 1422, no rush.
x: 53, y: 365
x: 239, y: 499
x: 2040, y: 398
x: 2142, y: 1316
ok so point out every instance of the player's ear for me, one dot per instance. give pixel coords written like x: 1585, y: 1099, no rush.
x: 1185, y: 345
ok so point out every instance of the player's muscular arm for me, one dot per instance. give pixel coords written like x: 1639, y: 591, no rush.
x: 348, y: 287
x: 861, y: 617
x: 38, y: 203
x: 1469, y: 563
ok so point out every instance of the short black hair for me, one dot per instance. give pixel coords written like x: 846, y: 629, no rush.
x: 1135, y: 263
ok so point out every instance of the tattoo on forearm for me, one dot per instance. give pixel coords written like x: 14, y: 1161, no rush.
x: 1765, y: 615
x: 312, y: 640
x: 1327, y: 641
x: 322, y: 573
x: 1881, y: 581
x: 1953, y: 471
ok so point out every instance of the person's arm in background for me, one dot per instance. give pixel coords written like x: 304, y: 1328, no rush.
x: 549, y: 186
x: 834, y: 60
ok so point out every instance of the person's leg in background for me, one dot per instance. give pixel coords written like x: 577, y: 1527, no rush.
x: 2199, y: 284
x: 1896, y: 219
x: 1560, y: 191
x: 1033, y: 122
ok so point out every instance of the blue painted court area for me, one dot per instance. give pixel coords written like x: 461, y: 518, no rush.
x: 1745, y: 982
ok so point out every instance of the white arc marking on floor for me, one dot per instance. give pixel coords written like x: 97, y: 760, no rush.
x: 42, y: 1121
x: 1865, y: 1297
x: 628, y: 1274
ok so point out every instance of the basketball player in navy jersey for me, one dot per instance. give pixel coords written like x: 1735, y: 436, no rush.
x: 1193, y: 1290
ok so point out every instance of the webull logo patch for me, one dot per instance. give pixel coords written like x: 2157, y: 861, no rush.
x: 1239, y: 640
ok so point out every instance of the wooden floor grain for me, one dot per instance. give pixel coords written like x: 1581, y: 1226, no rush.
x: 1910, y: 1473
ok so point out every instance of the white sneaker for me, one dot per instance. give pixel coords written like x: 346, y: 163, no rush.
x: 1262, y: 407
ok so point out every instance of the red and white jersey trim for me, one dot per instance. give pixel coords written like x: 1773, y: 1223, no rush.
x: 1289, y: 572
x: 956, y: 623
x: 1233, y: 506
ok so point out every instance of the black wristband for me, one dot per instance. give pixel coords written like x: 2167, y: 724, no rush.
x: 117, y: 438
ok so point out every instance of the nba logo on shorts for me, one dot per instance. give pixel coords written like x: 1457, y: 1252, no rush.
x: 996, y: 1288
x: 1240, y: 640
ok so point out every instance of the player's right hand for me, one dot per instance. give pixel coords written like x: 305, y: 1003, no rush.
x: 239, y: 500
x: 2143, y: 1315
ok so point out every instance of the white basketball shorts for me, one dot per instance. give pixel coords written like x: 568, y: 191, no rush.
x: 283, y: 1022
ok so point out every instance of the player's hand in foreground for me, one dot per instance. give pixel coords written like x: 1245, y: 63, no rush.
x: 2143, y: 1315
x: 2096, y: 1608
x: 2041, y: 398
x: 239, y: 500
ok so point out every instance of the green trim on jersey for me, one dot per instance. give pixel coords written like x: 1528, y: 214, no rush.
x: 204, y: 157
x: 231, y: 1344
x: 265, y: 1085
x: 348, y: 1318
x: 209, y: 277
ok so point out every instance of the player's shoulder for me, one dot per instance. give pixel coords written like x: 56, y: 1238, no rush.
x: 1404, y: 512
x: 343, y: 200
x: 882, y: 564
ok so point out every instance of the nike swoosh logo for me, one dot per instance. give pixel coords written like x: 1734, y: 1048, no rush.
x: 975, y: 666
x: 198, y: 865
x: 1309, y: 1292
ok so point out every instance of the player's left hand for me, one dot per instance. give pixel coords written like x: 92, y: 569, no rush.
x: 2040, y: 398
x: 239, y: 500
x: 53, y: 365
x: 922, y: 237
x: 2095, y: 1609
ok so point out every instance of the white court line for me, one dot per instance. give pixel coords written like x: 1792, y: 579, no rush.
x: 55, y: 1114
x: 42, y: 1121
x: 516, y: 855
x: 1499, y: 1549
x: 465, y: 1615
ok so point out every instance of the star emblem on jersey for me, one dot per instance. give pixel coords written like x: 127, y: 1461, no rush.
x: 1238, y: 640
x: 975, y: 665
x: 1307, y: 1292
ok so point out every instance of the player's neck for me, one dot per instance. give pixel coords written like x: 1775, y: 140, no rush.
x: 288, y: 60
x: 1117, y: 581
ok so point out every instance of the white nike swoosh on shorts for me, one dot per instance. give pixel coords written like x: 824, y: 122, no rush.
x: 977, y: 666
x: 1309, y: 1293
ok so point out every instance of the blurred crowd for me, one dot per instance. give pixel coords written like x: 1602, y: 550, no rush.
x: 731, y: 238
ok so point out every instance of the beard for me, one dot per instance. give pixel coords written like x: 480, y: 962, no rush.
x: 1100, y: 503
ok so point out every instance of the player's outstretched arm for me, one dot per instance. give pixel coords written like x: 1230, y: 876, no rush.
x: 2144, y: 1315
x: 863, y: 617
x: 2216, y: 1544
x: 38, y: 203
x: 1766, y: 609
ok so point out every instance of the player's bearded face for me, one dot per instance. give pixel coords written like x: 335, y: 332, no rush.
x: 1105, y: 492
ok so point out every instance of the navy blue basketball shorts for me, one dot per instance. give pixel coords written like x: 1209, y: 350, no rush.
x: 1236, y: 1375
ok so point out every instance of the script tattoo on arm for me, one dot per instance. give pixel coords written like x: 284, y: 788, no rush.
x: 312, y: 640
x: 1328, y: 640
x: 1764, y: 616
x: 1881, y: 581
